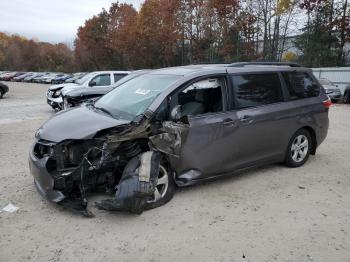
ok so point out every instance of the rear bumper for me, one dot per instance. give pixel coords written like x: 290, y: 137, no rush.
x: 335, y: 96
x: 322, y: 130
x: 43, y: 181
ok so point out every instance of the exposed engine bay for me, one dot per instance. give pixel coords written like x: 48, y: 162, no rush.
x: 124, y: 161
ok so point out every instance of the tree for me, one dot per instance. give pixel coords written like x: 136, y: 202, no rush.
x: 323, y: 39
x: 179, y: 32
x: 92, y: 49
x: 289, y: 57
x: 122, y: 35
x: 158, y: 33
x: 21, y: 54
x: 341, y: 24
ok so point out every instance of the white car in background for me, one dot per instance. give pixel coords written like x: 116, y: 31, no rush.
x: 93, y: 79
x: 331, y: 89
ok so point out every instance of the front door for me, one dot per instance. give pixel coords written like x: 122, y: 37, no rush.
x: 208, y: 148
x: 102, y: 80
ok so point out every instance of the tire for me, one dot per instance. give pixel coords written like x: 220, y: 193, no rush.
x: 1, y: 93
x: 299, y: 148
x: 346, y: 98
x: 168, y: 193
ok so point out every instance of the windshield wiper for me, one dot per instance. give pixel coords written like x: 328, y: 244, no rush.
x: 104, y: 110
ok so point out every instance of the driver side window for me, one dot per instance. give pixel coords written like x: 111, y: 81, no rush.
x: 203, y: 96
x: 102, y: 80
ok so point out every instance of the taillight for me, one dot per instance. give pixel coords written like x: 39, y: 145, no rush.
x: 327, y: 103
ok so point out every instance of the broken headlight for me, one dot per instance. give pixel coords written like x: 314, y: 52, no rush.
x: 43, y: 150
x: 56, y: 93
x: 69, y: 154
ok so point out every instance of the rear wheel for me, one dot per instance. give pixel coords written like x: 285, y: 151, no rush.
x: 1, y: 93
x: 298, y: 149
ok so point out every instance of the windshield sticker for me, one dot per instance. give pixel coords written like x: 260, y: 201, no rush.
x: 142, y: 91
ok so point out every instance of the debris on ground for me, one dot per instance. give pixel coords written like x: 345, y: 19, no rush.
x: 10, y: 208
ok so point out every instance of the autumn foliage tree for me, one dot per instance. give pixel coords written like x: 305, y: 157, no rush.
x: 92, y: 50
x: 179, y: 32
x: 165, y: 33
x: 21, y: 54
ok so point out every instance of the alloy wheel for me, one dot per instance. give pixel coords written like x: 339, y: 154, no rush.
x: 162, y: 185
x: 299, y: 149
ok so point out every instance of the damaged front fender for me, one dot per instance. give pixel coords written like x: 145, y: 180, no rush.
x: 136, y: 186
x: 171, y: 139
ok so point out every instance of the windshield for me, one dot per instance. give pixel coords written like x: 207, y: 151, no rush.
x: 325, y: 82
x: 84, y: 79
x: 132, y: 98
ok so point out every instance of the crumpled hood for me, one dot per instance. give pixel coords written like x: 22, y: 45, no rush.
x: 60, y: 86
x: 77, y: 123
x: 83, y: 91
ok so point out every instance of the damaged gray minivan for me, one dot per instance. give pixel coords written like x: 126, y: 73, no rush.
x: 177, y: 127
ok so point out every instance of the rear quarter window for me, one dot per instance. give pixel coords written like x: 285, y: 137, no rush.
x: 300, y: 85
x: 117, y: 77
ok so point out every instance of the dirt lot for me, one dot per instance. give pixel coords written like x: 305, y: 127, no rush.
x: 270, y: 214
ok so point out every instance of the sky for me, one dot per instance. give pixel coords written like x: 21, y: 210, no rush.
x: 51, y: 21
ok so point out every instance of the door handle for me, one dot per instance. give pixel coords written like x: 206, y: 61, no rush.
x: 246, y: 119
x: 229, y: 122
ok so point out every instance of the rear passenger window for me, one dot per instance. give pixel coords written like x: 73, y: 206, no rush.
x: 300, y: 85
x: 257, y: 89
x: 117, y: 77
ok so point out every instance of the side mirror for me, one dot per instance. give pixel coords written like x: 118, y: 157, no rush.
x: 176, y: 113
x: 92, y: 83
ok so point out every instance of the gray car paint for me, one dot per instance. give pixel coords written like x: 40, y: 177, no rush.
x: 252, y: 137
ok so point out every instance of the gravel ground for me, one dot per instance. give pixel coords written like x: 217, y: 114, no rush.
x: 269, y: 214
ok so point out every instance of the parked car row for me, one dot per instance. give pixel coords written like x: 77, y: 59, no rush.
x: 40, y: 77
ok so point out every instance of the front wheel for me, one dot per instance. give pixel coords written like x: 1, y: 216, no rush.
x: 298, y: 149
x: 346, y: 98
x: 165, y: 188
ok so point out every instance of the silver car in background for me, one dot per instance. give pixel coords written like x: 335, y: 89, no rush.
x: 99, y: 79
x: 331, y: 89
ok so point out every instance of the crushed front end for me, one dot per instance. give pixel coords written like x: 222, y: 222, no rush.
x: 54, y: 99
x: 66, y: 172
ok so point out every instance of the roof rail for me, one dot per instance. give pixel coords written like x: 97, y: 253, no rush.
x: 242, y: 64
